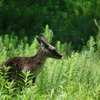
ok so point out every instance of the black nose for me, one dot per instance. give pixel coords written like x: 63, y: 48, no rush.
x: 60, y: 56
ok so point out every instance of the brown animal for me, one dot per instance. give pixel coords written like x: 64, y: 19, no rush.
x: 33, y: 64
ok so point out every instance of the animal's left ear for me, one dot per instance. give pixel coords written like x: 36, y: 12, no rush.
x: 38, y: 40
x: 43, y: 41
x: 42, y: 38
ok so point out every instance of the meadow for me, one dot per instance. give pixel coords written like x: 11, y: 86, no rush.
x: 74, y: 77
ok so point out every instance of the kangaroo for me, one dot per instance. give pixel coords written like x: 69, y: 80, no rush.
x: 33, y: 64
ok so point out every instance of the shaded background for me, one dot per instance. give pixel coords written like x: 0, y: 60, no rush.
x: 71, y: 21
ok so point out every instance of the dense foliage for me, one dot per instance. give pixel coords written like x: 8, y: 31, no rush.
x: 76, y: 77
x: 71, y: 20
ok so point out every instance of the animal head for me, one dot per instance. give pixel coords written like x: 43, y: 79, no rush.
x: 49, y: 50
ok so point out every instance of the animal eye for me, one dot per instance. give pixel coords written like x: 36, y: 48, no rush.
x: 46, y: 46
x: 54, y: 49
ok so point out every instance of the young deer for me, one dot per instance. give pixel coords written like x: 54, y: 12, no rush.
x: 33, y: 64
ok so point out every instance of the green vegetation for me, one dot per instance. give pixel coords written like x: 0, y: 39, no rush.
x: 74, y: 31
x: 76, y: 76
x: 70, y: 20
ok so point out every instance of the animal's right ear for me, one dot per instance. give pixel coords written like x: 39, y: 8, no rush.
x: 38, y: 40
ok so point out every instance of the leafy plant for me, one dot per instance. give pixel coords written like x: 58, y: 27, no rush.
x: 73, y: 77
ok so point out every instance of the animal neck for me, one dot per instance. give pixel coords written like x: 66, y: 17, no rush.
x: 40, y: 56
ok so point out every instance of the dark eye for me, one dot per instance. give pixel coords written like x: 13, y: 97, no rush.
x: 46, y: 46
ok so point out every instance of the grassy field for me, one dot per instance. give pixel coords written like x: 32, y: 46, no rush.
x: 75, y: 77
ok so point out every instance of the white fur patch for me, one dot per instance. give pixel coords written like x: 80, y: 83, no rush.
x: 52, y: 46
x: 25, y: 68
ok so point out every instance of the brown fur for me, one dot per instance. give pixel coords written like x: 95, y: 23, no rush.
x: 33, y: 64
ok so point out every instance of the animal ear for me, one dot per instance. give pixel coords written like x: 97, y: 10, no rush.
x: 43, y: 41
x: 38, y: 40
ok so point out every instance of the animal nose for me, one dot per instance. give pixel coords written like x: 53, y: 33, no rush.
x: 60, y: 56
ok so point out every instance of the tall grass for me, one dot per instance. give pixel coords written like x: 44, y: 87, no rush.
x: 76, y: 77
